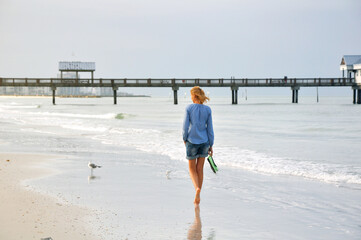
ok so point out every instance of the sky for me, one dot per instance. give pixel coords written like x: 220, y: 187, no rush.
x: 180, y: 38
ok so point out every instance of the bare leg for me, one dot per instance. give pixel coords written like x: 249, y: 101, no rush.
x: 196, y: 173
x: 195, y: 179
x: 193, y: 172
x: 200, y: 165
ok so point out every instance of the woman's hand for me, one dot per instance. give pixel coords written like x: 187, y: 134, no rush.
x: 210, y: 151
x: 184, y: 142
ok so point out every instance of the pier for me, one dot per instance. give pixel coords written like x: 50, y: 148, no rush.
x: 175, y: 83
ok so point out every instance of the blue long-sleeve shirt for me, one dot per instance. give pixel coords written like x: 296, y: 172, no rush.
x: 197, y: 124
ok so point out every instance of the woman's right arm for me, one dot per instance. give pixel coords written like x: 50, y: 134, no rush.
x: 210, y: 151
x: 210, y: 132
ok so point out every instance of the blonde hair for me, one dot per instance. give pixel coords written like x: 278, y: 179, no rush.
x: 199, y: 94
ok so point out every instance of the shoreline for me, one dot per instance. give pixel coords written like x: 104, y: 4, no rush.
x: 27, y: 214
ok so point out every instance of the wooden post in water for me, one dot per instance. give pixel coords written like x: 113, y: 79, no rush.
x: 175, y: 94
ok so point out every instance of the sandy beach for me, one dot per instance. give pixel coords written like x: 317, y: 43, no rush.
x: 26, y: 214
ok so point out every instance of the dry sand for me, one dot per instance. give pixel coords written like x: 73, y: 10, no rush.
x: 27, y: 214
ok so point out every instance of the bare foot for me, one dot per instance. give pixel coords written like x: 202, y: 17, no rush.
x: 197, y: 199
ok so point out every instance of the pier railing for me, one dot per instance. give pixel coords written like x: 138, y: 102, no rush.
x: 186, y: 82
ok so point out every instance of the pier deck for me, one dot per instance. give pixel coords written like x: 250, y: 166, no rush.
x: 176, y: 83
x: 159, y: 82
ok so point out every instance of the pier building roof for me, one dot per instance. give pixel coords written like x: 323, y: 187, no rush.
x: 76, y: 66
x: 349, y: 62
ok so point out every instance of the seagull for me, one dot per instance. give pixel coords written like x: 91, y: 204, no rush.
x: 92, y: 166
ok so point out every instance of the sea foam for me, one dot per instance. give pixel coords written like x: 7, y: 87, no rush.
x: 169, y: 143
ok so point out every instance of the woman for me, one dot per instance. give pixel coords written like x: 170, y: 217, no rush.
x: 198, y: 137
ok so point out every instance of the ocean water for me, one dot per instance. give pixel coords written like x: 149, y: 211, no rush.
x: 288, y: 171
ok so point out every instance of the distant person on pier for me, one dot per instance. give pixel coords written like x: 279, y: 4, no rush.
x: 198, y: 137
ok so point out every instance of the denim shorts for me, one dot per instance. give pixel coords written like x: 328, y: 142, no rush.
x: 197, y: 150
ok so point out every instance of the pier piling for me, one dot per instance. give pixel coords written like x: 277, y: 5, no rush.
x: 53, y: 89
x: 354, y: 95
x: 295, y: 94
x: 175, y: 94
x: 234, y: 95
x: 115, y: 95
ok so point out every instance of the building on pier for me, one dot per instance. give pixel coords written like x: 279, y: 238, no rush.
x: 351, y: 65
x: 76, y: 67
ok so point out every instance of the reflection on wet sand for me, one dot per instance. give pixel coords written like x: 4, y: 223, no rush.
x: 91, y: 177
x: 195, y: 230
